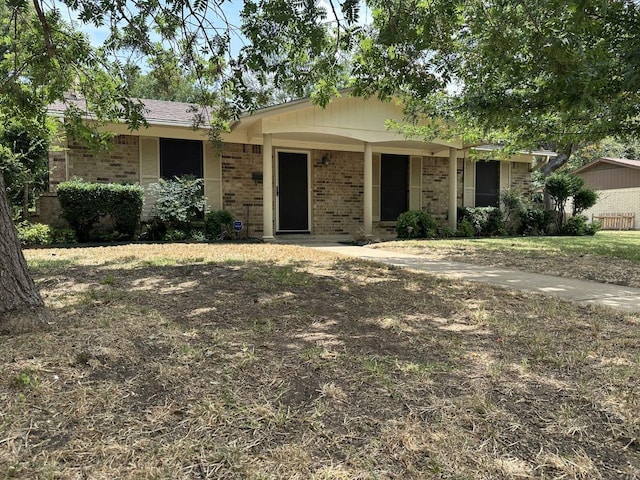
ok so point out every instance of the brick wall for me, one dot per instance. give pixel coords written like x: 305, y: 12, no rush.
x: 48, y: 210
x: 521, y: 178
x: 337, y: 189
x: 617, y: 201
x: 337, y: 199
x: 435, y: 186
x: 57, y: 168
x: 119, y: 165
x: 239, y: 189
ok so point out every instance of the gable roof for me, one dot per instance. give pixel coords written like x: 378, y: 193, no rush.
x: 345, y: 123
x: 621, y: 162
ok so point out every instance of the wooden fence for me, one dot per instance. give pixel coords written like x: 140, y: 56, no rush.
x: 616, y: 221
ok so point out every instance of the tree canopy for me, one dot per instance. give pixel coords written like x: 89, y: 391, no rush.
x: 551, y: 74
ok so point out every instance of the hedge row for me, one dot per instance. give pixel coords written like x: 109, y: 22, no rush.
x: 85, y: 204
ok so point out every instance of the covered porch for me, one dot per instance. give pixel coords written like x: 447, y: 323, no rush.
x: 328, y: 171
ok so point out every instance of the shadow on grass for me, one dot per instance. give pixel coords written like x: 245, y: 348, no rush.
x: 342, y: 370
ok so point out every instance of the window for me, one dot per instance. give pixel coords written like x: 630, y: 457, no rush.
x: 394, y: 175
x: 488, y: 184
x: 180, y: 157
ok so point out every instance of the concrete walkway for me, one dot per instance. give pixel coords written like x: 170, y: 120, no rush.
x: 580, y: 291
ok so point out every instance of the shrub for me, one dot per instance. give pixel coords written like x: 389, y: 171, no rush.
x: 176, y: 235
x: 153, y: 230
x: 124, y: 204
x: 218, y: 224
x: 494, y: 224
x: 484, y: 220
x: 561, y: 187
x: 513, y: 205
x: 84, y: 204
x: 198, y: 236
x: 63, y: 235
x: 578, y: 226
x: 583, y: 199
x: 593, y: 228
x: 535, y: 220
x: 446, y: 232
x: 465, y: 229
x: 34, y: 233
x: 179, y: 202
x: 416, y: 224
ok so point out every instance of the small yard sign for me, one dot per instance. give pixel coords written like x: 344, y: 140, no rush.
x: 237, y: 225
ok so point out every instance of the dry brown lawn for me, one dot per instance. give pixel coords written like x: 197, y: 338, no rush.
x: 268, y: 362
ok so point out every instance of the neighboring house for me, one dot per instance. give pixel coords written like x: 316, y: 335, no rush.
x: 300, y: 169
x: 617, y: 181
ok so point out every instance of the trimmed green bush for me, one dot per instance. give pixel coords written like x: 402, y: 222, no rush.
x: 218, y: 224
x: 34, y: 233
x: 84, y: 204
x: 416, y: 224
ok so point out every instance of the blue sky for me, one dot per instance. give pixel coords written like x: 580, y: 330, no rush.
x: 97, y: 35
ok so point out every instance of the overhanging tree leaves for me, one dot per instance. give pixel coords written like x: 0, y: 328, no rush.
x: 551, y: 74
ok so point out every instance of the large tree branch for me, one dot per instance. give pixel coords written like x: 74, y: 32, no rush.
x: 554, y: 163
x: 46, y: 30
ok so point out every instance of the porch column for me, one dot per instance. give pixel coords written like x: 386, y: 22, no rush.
x: 368, y: 190
x: 267, y: 186
x: 453, y: 188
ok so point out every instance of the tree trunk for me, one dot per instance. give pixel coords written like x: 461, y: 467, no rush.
x: 21, y: 306
x: 553, y: 164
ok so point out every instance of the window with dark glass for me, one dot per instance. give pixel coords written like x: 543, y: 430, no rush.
x: 488, y: 183
x: 180, y: 157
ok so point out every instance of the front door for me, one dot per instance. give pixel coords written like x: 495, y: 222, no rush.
x: 292, y: 192
x: 394, y: 186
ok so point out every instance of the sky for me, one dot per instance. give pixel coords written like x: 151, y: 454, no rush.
x: 232, y: 8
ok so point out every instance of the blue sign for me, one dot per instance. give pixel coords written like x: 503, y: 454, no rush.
x: 237, y: 225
